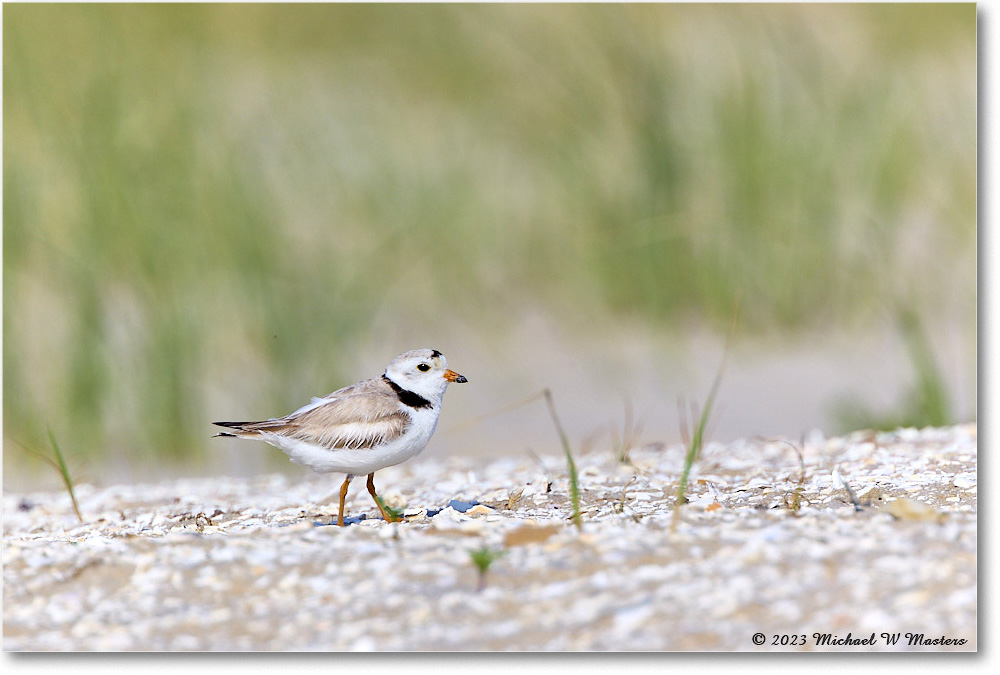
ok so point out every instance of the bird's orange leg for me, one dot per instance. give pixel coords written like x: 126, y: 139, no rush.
x: 371, y: 491
x: 343, y: 498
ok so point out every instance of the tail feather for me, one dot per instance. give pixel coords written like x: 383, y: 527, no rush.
x: 239, y: 426
x: 249, y: 429
x: 232, y: 425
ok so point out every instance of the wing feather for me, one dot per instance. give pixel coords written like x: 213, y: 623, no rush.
x: 356, y: 417
x: 356, y: 421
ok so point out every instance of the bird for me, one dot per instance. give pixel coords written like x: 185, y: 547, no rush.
x: 364, y: 427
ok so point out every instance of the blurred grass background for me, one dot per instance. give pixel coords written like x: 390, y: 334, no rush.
x: 217, y: 211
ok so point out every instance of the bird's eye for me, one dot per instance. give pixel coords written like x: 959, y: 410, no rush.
x: 423, y: 367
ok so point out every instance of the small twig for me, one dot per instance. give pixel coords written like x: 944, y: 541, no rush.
x: 850, y: 493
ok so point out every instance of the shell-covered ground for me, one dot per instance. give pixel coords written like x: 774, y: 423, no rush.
x: 851, y: 544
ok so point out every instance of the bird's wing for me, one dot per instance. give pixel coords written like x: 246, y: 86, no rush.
x: 354, y: 417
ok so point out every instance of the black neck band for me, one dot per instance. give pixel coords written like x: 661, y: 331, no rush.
x: 407, y: 397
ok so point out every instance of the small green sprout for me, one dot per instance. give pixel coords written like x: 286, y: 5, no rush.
x: 483, y: 558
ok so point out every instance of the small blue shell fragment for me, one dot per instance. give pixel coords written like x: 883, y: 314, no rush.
x: 456, y: 504
x: 350, y: 520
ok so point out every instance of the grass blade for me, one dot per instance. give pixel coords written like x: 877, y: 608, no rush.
x: 574, y: 481
x: 698, y: 437
x: 393, y: 513
x: 60, y: 464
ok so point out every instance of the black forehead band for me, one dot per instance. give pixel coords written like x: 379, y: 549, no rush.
x: 435, y: 353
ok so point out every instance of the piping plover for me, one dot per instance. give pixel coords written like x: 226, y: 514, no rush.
x: 364, y: 427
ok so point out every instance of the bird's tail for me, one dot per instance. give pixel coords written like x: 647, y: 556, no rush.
x: 249, y: 429
x: 238, y: 426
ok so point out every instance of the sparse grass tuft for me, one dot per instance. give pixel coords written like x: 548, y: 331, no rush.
x: 620, y: 506
x: 574, y: 480
x: 698, y: 437
x: 629, y: 438
x: 794, y: 502
x: 59, y: 464
x: 514, y: 498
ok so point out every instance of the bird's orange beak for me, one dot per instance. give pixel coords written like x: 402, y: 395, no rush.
x: 452, y: 376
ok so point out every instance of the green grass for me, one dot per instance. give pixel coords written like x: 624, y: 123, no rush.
x: 67, y: 478
x: 697, y: 440
x: 393, y: 513
x: 195, y: 196
x: 58, y: 462
x: 574, y: 479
